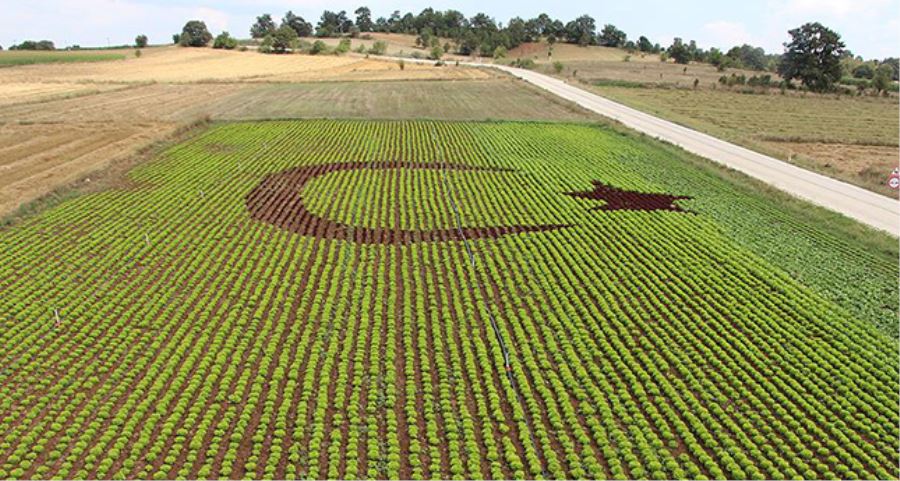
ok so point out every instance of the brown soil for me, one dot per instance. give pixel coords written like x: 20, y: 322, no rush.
x: 619, y: 199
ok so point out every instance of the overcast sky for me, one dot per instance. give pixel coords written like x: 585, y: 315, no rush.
x: 869, y: 27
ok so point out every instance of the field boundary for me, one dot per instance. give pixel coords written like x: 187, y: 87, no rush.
x: 103, y: 178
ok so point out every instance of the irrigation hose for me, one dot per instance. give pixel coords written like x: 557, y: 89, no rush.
x: 507, y: 364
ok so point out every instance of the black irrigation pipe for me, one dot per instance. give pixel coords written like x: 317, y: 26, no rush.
x: 507, y: 365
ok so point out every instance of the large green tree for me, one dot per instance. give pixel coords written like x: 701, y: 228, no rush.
x: 813, y: 56
x: 195, y: 34
x: 263, y: 26
x: 333, y: 24
x: 679, y: 52
x: 297, y: 23
x: 611, y: 36
x: 364, y: 19
x: 582, y: 30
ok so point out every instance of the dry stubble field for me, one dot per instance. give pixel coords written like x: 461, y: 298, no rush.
x: 61, y: 121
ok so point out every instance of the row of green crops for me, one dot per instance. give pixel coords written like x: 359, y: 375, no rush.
x: 161, y: 332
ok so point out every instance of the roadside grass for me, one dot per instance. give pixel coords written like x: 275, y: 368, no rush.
x: 851, y: 138
x: 17, y: 58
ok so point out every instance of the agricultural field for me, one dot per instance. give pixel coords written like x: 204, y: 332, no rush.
x: 498, y: 99
x: 193, y: 65
x: 610, y: 66
x: 390, y: 299
x: 854, y: 139
x: 52, y: 115
x: 30, y: 57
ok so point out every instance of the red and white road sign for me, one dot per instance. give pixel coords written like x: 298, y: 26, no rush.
x: 894, y: 179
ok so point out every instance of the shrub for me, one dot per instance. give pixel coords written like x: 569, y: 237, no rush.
x: 436, y: 53
x: 343, y: 46
x: 378, y: 48
x: 226, y: 41
x: 318, y: 47
x: 526, y: 63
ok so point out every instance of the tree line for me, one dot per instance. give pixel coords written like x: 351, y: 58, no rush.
x: 815, y: 55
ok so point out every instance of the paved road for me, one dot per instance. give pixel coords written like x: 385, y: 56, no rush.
x: 867, y: 207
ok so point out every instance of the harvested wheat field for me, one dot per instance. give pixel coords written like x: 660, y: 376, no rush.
x: 35, y: 158
x: 180, y: 65
x: 13, y: 93
x: 157, y: 102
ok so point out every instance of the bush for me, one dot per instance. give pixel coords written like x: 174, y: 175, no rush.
x: 280, y: 41
x: 558, y: 66
x: 343, y: 46
x: 378, y: 48
x: 526, y: 63
x: 500, y: 53
x: 137, y: 53
x: 226, y: 41
x: 402, y: 64
x: 318, y: 47
x: 436, y: 52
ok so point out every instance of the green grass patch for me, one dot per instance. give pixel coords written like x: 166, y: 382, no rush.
x: 16, y: 58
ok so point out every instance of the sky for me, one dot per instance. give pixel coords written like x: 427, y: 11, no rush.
x: 870, y: 28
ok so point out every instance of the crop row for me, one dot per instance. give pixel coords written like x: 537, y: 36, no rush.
x: 163, y: 332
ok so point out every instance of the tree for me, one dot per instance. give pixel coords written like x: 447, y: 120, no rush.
x: 894, y: 64
x: 582, y: 30
x: 679, y: 52
x: 195, y: 34
x: 333, y: 24
x: 364, y: 19
x: 881, y: 81
x: 297, y: 23
x: 281, y: 39
x: 644, y: 44
x: 611, y: 36
x: 264, y: 26
x: 748, y: 56
x: 176, y: 38
x: 34, y: 45
x: 813, y: 56
x: 226, y: 41
x: 864, y: 70
x: 140, y: 41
